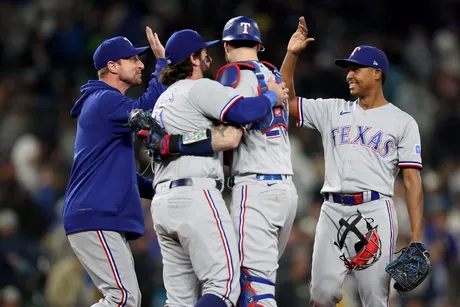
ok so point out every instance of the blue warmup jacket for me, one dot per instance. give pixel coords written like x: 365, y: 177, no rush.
x: 104, y: 189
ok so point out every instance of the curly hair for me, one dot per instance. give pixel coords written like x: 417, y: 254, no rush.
x: 178, y: 71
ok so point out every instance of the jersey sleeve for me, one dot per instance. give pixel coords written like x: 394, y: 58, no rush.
x: 249, y: 86
x: 409, y: 148
x: 212, y: 98
x: 313, y: 113
x: 145, y: 187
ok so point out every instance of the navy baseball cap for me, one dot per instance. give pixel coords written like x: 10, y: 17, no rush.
x: 118, y: 47
x: 183, y: 44
x: 366, y: 56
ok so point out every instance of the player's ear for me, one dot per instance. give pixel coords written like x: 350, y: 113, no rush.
x: 260, y: 48
x: 378, y: 74
x: 112, y: 67
x: 194, y: 60
x: 226, y: 47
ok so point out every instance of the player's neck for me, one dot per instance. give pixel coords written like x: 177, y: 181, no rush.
x: 196, y: 75
x: 115, y: 83
x: 373, y: 100
x: 244, y: 54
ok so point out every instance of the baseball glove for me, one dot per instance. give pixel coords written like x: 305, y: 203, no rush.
x: 139, y: 120
x: 411, y: 267
x: 145, y: 127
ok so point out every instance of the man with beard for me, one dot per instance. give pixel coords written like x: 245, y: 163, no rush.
x: 102, y: 206
x: 193, y: 225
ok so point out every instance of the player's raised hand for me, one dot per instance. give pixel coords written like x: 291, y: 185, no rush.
x: 299, y: 40
x: 280, y: 89
x: 155, y: 44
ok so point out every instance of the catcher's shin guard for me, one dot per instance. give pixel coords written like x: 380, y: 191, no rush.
x: 248, y: 297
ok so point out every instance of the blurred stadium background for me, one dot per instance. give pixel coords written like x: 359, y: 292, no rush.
x: 46, y: 54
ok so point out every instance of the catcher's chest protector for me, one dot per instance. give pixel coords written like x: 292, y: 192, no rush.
x: 229, y: 75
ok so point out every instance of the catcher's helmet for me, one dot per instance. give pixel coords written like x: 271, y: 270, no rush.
x: 369, y: 247
x: 241, y: 28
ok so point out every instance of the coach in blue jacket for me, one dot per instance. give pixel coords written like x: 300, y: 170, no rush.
x: 102, y: 206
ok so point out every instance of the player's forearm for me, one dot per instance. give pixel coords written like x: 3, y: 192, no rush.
x: 414, y: 200
x: 161, y: 64
x: 225, y: 137
x: 203, y: 142
x: 287, y: 75
x: 287, y: 72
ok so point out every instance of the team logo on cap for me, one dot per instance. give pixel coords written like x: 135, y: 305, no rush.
x: 356, y: 49
x: 246, y: 26
x: 127, y: 41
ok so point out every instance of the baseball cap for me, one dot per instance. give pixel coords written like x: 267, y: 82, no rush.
x: 118, y: 47
x: 183, y: 44
x: 367, y: 56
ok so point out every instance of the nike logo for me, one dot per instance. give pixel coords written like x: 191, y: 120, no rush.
x: 270, y: 184
x: 343, y: 112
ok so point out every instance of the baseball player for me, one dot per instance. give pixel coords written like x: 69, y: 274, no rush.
x: 193, y: 225
x: 264, y: 198
x: 366, y: 143
x: 102, y: 207
x: 256, y: 196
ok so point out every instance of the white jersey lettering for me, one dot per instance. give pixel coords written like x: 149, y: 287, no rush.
x: 363, y: 149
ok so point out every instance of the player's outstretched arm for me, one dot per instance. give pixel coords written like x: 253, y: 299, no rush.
x: 227, y: 105
x: 298, y: 42
x: 414, y: 200
x: 249, y: 109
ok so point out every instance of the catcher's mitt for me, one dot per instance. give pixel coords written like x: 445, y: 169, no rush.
x: 139, y: 120
x: 411, y: 267
x: 144, y: 126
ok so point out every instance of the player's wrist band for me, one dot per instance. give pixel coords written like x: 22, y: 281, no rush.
x: 174, y: 144
x: 197, y: 143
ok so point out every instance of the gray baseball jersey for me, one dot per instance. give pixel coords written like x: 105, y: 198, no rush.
x: 363, y: 149
x: 267, y: 152
x: 187, y: 106
x: 262, y: 209
x: 193, y: 224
